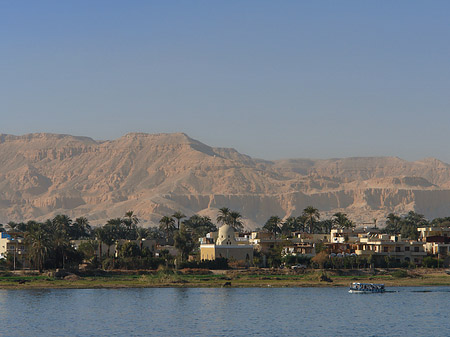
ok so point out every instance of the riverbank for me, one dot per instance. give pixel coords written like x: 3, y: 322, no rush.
x: 229, y: 278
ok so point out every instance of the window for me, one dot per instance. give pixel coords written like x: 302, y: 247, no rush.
x: 406, y: 249
x: 385, y: 249
x: 397, y: 249
x: 416, y: 249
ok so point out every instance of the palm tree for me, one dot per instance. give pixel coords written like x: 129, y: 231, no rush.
x: 393, y: 224
x: 235, y: 221
x: 273, y: 225
x: 132, y: 218
x: 142, y: 234
x: 38, y: 240
x: 80, y: 228
x: 312, y: 215
x: 341, y: 221
x: 184, y: 243
x: 289, y: 225
x: 178, y: 215
x: 224, y: 216
x: 130, y: 221
x: 109, y: 235
x: 301, y: 223
x: 326, y: 226
x: 60, y: 243
x: 167, y: 225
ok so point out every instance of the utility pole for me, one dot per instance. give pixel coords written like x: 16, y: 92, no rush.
x: 14, y: 257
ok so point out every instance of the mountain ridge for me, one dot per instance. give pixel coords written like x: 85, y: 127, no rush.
x: 44, y: 174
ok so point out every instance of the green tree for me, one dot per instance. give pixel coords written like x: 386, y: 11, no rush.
x: 325, y: 226
x: 273, y: 225
x: 184, y: 243
x: 393, y: 224
x: 312, y: 215
x: 199, y: 226
x: 129, y: 249
x: 61, y: 244
x: 224, y: 216
x: 236, y: 221
x: 130, y: 222
x: 39, y: 243
x: 341, y: 221
x: 80, y: 229
x: 167, y: 225
x: 231, y: 218
x: 87, y: 249
x: 289, y: 225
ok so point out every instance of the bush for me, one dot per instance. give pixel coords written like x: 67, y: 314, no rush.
x: 431, y: 262
x: 290, y: 260
x: 400, y: 273
x: 133, y: 263
x: 219, y: 263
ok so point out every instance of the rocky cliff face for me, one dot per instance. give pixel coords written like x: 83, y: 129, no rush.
x: 45, y: 174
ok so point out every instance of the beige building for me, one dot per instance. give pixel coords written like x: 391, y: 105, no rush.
x: 393, y: 246
x: 15, y: 246
x: 425, y: 232
x: 225, y: 246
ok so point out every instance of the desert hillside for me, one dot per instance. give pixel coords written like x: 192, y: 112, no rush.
x: 156, y: 174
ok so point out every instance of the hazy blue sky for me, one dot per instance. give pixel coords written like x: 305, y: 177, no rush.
x: 273, y: 79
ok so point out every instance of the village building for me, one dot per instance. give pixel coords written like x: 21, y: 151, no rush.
x: 224, y: 244
x: 13, y: 244
x: 304, y: 244
x: 392, y: 246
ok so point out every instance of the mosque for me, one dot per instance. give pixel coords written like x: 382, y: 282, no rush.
x: 223, y: 244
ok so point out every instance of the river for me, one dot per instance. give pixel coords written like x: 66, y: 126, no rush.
x: 224, y: 312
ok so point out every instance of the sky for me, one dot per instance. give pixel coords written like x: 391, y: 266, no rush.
x: 272, y: 79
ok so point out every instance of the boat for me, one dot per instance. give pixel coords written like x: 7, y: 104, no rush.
x: 366, y: 288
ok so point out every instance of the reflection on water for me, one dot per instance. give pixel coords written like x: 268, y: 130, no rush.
x: 224, y: 312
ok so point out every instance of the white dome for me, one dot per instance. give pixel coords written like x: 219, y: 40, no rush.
x: 226, y: 236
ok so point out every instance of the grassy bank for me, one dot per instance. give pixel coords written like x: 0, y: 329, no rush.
x: 235, y: 278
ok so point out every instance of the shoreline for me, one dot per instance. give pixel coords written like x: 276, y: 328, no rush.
x: 228, y: 279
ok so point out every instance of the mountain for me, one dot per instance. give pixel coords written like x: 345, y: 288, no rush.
x: 42, y: 175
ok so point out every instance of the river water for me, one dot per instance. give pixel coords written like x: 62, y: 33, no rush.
x: 224, y: 312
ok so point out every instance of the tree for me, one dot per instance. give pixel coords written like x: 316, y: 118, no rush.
x: 87, y: 249
x: 312, y: 215
x: 224, y: 216
x: 199, y: 226
x: 236, y: 222
x: 130, y: 221
x: 142, y: 234
x: 231, y: 218
x: 61, y: 244
x: 62, y: 222
x: 129, y: 249
x: 273, y: 225
x: 325, y: 226
x: 132, y: 218
x: 321, y: 259
x: 167, y: 225
x: 341, y: 221
x: 39, y: 243
x: 178, y: 215
x: 80, y: 229
x: 393, y: 224
x: 100, y: 235
x: 301, y: 223
x: 184, y: 243
x: 110, y: 233
x: 289, y: 225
